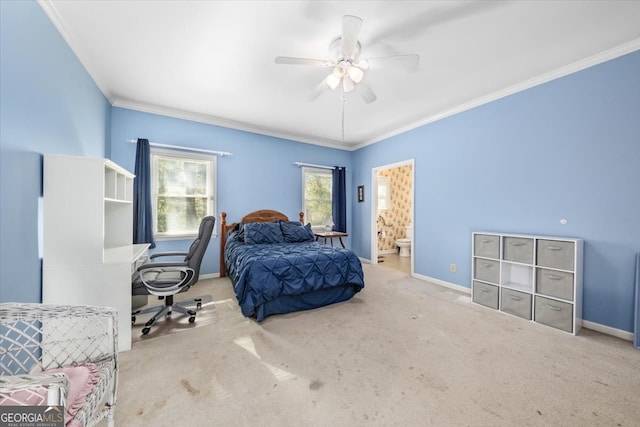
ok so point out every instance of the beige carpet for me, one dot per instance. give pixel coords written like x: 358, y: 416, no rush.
x: 176, y: 322
x: 403, y: 352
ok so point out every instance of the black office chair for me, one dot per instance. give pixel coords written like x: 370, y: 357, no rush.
x: 166, y: 279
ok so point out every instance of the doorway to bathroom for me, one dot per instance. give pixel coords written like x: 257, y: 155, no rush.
x: 392, y: 214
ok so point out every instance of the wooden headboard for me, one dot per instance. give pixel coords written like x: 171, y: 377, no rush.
x: 264, y: 215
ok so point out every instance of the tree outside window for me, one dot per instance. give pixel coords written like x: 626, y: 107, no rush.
x: 317, y: 187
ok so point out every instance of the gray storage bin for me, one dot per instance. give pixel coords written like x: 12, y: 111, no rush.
x: 554, y: 283
x: 554, y: 313
x: 485, y: 294
x: 556, y: 254
x: 486, y: 245
x: 518, y: 249
x: 487, y: 270
x: 516, y: 303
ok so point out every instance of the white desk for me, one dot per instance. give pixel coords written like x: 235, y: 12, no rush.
x: 87, y: 253
x: 106, y: 284
x: 140, y: 256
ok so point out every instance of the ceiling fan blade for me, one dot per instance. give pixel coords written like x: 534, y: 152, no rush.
x: 303, y: 61
x: 350, y: 30
x: 366, y: 93
x: 396, y: 61
x: 318, y: 90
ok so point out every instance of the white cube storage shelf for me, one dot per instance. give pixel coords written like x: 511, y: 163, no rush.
x: 538, y: 278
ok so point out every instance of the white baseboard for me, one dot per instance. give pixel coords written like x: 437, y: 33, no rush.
x: 618, y: 333
x: 443, y: 283
x: 209, y: 276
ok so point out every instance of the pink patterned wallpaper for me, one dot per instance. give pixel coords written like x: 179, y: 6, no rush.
x: 399, y: 216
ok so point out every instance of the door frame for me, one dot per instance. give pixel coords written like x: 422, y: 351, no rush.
x: 374, y: 207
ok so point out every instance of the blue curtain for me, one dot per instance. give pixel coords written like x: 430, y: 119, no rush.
x: 339, y: 199
x: 142, y: 217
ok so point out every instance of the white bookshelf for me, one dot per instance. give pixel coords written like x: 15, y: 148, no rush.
x: 87, y: 236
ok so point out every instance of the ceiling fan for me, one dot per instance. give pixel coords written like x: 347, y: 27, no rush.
x: 348, y: 69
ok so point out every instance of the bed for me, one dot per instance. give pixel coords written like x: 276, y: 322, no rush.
x: 276, y: 266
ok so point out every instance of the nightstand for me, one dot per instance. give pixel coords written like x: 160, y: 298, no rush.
x: 330, y: 235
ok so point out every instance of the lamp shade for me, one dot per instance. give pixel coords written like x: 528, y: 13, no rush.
x: 355, y: 73
x: 333, y: 81
x: 347, y: 83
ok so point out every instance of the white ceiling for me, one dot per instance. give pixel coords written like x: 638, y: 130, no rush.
x: 213, y: 61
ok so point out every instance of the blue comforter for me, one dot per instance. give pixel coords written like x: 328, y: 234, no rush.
x: 283, y: 277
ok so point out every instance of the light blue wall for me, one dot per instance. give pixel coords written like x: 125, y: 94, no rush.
x: 259, y: 174
x: 567, y: 149
x: 48, y: 104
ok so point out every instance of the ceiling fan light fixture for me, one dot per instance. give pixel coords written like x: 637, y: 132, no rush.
x: 347, y: 69
x: 333, y: 81
x: 347, y: 83
x: 355, y: 73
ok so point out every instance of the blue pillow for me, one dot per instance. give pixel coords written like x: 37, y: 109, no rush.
x: 239, y: 230
x: 295, y: 232
x: 256, y: 233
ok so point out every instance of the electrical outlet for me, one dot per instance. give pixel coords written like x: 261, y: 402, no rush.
x: 452, y: 268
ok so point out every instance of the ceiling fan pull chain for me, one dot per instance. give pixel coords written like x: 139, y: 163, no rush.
x: 343, y: 100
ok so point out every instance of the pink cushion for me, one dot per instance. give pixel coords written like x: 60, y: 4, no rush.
x: 82, y: 379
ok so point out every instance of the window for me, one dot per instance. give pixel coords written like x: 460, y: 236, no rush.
x: 384, y: 193
x: 317, y: 185
x: 182, y: 193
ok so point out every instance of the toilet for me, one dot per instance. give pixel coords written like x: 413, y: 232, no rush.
x: 405, y: 244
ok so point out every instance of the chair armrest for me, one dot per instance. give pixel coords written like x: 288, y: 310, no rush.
x: 163, y: 266
x: 168, y: 254
x: 157, y: 286
x: 37, y: 389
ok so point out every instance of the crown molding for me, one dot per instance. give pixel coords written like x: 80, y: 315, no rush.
x: 218, y: 121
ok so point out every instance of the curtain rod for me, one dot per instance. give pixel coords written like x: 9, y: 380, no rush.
x: 300, y: 164
x: 180, y: 147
